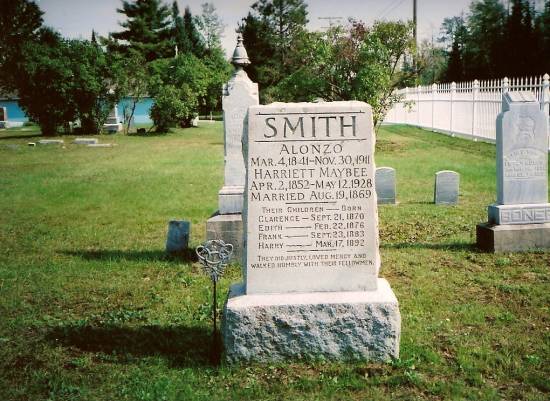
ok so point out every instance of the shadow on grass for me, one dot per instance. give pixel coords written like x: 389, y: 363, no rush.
x: 30, y: 135
x: 188, y: 255
x: 179, y: 346
x: 455, y: 246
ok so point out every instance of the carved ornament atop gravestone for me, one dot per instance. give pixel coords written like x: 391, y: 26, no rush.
x: 238, y: 94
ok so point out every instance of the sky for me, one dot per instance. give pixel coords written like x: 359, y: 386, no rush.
x: 77, y: 18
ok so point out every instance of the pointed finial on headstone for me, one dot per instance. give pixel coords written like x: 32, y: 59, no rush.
x: 240, y: 57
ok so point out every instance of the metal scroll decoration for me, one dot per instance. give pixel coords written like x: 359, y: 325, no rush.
x: 214, y: 256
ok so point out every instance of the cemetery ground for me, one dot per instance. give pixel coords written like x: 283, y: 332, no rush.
x: 92, y: 309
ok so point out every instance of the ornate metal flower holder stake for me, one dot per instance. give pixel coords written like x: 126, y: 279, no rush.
x: 214, y: 256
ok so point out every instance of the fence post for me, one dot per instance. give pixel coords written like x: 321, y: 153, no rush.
x: 505, y: 85
x: 418, y: 88
x: 546, y: 99
x: 453, y: 91
x: 434, y: 92
x: 474, y: 98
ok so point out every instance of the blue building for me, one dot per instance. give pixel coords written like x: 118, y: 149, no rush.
x: 17, y: 116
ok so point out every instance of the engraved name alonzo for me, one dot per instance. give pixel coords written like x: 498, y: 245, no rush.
x: 281, y: 127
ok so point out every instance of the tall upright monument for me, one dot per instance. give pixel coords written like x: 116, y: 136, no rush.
x: 238, y: 94
x: 520, y: 219
x: 311, y: 263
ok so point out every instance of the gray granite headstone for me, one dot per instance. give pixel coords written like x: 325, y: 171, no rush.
x: 385, y: 185
x: 522, y: 162
x: 446, y: 187
x: 311, y: 287
x: 520, y: 219
x: 178, y: 236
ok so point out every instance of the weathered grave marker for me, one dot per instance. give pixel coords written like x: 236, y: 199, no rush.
x: 177, y: 240
x: 51, y: 142
x: 85, y: 141
x: 446, y: 187
x: 238, y: 94
x: 385, y: 185
x: 311, y: 264
x: 520, y: 219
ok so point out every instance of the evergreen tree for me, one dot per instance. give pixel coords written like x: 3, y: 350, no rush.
x: 543, y: 35
x: 484, y: 40
x: 271, y: 31
x: 520, y: 40
x: 147, y: 28
x: 20, y: 22
x: 179, y: 34
x: 193, y: 35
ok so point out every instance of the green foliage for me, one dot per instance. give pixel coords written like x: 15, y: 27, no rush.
x: 184, y: 81
x: 20, y: 21
x: 196, y: 44
x: 492, y: 43
x: 271, y: 31
x: 61, y: 81
x: 172, y: 105
x: 147, y: 29
x: 361, y: 63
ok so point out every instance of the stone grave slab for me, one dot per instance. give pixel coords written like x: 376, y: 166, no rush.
x: 51, y: 142
x: 520, y: 219
x: 85, y: 141
x: 446, y: 187
x: 311, y: 257
x: 385, y: 185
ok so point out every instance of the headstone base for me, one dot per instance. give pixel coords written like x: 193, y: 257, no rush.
x: 534, y: 213
x: 330, y: 325
x: 513, y: 238
x: 229, y: 228
x: 230, y: 199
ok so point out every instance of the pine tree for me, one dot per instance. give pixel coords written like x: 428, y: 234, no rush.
x: 179, y: 34
x: 193, y: 35
x: 147, y: 28
x: 520, y: 40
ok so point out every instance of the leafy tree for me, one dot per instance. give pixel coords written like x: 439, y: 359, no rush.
x: 20, y: 22
x: 147, y: 29
x: 45, y: 83
x: 170, y: 107
x: 219, y: 72
x: 211, y: 26
x: 188, y: 75
x: 360, y: 63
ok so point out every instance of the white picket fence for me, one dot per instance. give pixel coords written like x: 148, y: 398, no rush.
x: 465, y: 109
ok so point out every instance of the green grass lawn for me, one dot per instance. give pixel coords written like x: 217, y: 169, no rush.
x: 91, y: 309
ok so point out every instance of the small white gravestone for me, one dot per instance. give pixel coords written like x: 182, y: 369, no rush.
x: 100, y: 145
x: 112, y: 123
x: 520, y: 219
x: 446, y: 187
x: 85, y: 141
x: 311, y: 261
x: 385, y: 185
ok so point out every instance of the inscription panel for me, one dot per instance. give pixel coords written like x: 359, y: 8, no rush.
x: 520, y: 214
x: 310, y: 206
